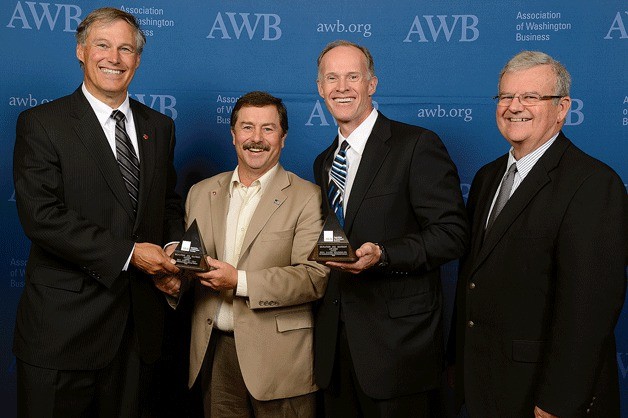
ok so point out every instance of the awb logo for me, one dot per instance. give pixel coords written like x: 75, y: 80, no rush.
x: 29, y: 15
x: 163, y: 103
x: 460, y: 28
x: 618, y: 28
x: 623, y: 365
x: 575, y: 115
x: 231, y: 25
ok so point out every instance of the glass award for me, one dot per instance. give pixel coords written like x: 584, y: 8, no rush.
x: 190, y: 253
x: 332, y: 244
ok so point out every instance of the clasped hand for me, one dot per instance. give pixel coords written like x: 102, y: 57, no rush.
x: 154, y: 260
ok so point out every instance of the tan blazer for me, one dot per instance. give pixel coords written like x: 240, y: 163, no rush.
x: 273, y: 327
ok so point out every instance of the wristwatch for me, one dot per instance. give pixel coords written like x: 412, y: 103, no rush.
x: 383, y: 258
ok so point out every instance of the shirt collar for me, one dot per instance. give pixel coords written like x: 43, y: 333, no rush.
x: 525, y: 164
x: 103, y: 111
x: 357, y: 139
x: 263, y: 181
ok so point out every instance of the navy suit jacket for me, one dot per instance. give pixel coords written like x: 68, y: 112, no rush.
x: 75, y: 209
x: 406, y: 196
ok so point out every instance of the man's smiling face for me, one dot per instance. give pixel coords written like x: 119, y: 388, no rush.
x: 346, y: 85
x: 526, y: 128
x: 109, y: 58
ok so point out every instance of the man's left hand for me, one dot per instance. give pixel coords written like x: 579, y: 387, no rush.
x: 170, y: 285
x: 222, y: 275
x: 368, y: 255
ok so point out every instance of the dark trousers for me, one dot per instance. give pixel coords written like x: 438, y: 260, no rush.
x: 346, y: 399
x: 109, y: 392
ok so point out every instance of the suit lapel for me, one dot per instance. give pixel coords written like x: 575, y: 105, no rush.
x: 270, y: 201
x: 219, y: 203
x: 326, y: 166
x: 484, y: 199
x: 90, y: 133
x: 146, y: 142
x: 536, y: 180
x: 373, y: 156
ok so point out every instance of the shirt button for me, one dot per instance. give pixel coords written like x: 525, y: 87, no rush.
x: 470, y: 324
x: 471, y: 285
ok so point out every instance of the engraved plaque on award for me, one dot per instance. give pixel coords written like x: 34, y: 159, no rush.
x: 190, y: 253
x: 332, y: 244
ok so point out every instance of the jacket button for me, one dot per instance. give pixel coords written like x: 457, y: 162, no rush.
x: 470, y: 324
x: 335, y: 302
x: 209, y: 321
x: 135, y: 237
x: 471, y: 285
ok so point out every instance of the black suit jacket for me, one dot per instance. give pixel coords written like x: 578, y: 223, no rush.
x: 406, y: 196
x: 75, y: 209
x: 544, y: 289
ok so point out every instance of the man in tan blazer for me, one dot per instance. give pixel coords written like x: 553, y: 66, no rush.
x: 252, y: 326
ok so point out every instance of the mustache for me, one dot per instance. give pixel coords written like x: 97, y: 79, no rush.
x: 258, y: 146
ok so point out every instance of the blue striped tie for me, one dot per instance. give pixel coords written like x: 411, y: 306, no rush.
x: 337, y: 179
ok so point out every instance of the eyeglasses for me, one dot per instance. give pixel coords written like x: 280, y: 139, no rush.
x: 526, y: 99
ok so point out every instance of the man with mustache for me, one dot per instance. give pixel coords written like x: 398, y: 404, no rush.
x: 252, y: 326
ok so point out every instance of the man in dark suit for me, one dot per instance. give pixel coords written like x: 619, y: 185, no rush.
x: 90, y: 319
x: 542, y: 287
x: 378, y: 335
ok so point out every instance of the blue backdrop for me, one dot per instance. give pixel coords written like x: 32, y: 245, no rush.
x: 437, y: 63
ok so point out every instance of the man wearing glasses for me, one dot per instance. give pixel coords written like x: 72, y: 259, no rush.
x: 542, y: 287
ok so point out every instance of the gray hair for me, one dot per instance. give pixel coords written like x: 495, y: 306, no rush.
x: 108, y: 15
x: 528, y: 59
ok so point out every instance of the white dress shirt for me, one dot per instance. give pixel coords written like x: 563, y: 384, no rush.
x: 108, y: 124
x: 357, y: 141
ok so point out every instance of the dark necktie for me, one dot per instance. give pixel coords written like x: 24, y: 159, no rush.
x: 337, y: 180
x: 127, y: 159
x: 504, y: 194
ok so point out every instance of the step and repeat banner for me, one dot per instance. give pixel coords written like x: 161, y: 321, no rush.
x: 437, y: 62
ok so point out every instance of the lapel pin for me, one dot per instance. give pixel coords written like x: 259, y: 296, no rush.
x: 276, y: 201
x: 145, y: 136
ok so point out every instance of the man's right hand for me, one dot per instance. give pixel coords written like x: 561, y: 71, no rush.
x: 152, y: 259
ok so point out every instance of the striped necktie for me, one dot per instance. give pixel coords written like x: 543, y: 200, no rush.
x: 337, y: 179
x: 127, y: 159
